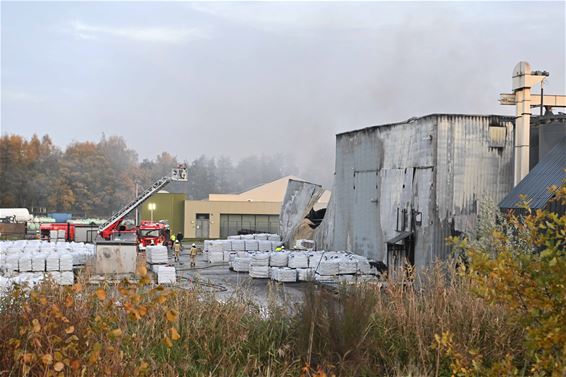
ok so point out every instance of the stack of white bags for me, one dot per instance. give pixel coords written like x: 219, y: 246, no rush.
x: 284, y: 274
x: 259, y: 265
x: 25, y: 260
x: 156, y: 255
x: 241, y: 264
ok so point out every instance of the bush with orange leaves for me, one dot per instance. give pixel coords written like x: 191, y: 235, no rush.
x: 54, y: 330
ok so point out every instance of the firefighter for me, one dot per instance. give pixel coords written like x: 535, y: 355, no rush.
x: 172, y: 239
x: 193, y: 254
x: 177, y: 248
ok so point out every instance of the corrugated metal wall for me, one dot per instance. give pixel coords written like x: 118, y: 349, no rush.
x: 438, y: 165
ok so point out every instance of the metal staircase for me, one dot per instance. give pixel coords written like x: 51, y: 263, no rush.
x: 179, y: 174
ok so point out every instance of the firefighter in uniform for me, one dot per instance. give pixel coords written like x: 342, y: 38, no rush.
x: 193, y: 254
x: 177, y: 249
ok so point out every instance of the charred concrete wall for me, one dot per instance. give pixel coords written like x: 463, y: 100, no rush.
x: 426, y: 176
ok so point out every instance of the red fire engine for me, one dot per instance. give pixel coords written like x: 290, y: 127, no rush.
x: 150, y: 233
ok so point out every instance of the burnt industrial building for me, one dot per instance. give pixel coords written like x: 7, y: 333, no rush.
x: 402, y: 188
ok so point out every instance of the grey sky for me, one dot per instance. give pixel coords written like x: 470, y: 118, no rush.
x: 249, y: 78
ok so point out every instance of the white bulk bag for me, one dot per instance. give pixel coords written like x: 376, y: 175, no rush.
x: 305, y: 274
x: 264, y: 245
x: 251, y: 245
x: 260, y: 259
x: 38, y: 262
x: 215, y: 256
x: 241, y: 264
x: 66, y: 262
x: 347, y: 265
x: 298, y: 259
x: 238, y: 245
x: 328, y: 267
x: 279, y: 259
x: 24, y: 264
x: 259, y: 272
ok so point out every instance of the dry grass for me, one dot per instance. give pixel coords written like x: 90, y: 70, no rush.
x: 134, y: 329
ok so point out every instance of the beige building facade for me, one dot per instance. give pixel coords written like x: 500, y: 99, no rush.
x: 256, y: 210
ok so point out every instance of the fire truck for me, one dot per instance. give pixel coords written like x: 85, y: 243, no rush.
x: 148, y: 231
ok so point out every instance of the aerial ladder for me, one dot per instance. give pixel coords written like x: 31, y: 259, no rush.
x: 105, y: 230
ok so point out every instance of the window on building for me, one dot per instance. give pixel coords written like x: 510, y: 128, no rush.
x: 231, y: 225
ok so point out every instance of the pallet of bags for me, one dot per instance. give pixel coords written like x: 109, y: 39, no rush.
x: 12, y: 262
x: 24, y: 264
x: 259, y: 272
x: 206, y: 245
x: 234, y: 237
x: 347, y: 265
x: 298, y: 259
x: 166, y: 275
x: 279, y: 259
x: 66, y: 262
x: 260, y: 259
x: 52, y: 262
x: 156, y: 255
x: 38, y: 262
x: 216, y: 246
x: 363, y: 264
x: 247, y: 237
x: 305, y: 274
x: 274, y: 237
x: 215, y: 256
x: 251, y: 245
x: 241, y: 264
x: 66, y: 278
x: 314, y: 258
x: 238, y: 245
x: 284, y: 274
x: 264, y: 246
x: 261, y: 237
x: 328, y: 266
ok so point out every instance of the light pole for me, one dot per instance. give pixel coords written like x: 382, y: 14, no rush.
x: 151, y: 207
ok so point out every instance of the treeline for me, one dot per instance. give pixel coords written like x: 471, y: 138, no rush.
x: 95, y: 179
